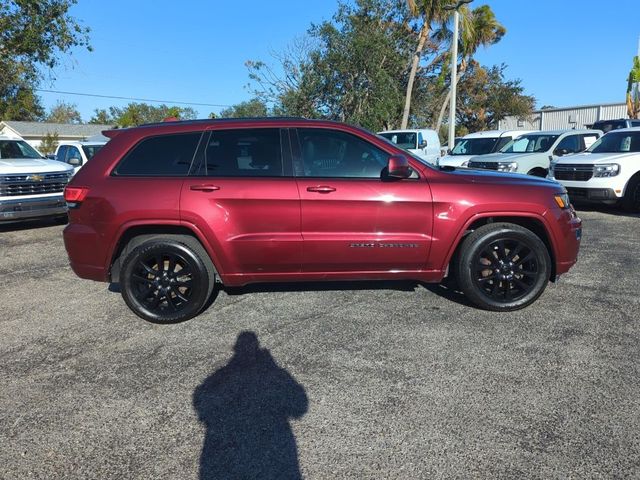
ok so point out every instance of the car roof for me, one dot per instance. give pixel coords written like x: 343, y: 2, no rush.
x: 496, y: 133
x: 76, y: 143
x: 628, y: 129
x: 560, y: 132
x: 407, y: 130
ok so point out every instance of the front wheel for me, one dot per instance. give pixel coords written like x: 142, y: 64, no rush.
x: 503, y: 267
x: 631, y: 200
x: 165, y: 281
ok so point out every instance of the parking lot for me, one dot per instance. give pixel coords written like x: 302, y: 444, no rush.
x: 391, y: 380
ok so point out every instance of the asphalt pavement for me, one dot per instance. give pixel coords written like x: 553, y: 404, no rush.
x: 343, y: 380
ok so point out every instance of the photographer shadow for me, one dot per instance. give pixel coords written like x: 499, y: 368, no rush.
x: 246, y: 407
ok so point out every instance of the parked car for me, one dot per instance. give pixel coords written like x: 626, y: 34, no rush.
x: 168, y: 210
x: 423, y: 143
x: 31, y: 186
x: 608, y: 125
x: 609, y: 172
x: 77, y: 154
x: 532, y: 152
x: 479, y: 143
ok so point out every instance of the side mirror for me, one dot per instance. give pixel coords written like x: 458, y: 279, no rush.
x: 75, y: 162
x: 423, y: 144
x: 561, y: 151
x: 398, y: 166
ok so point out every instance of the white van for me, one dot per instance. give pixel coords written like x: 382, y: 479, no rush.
x: 423, y: 143
x: 479, y: 143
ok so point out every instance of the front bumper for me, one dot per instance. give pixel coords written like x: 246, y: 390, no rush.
x: 17, y: 209
x: 592, y: 194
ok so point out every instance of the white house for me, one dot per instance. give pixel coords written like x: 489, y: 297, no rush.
x: 34, y: 132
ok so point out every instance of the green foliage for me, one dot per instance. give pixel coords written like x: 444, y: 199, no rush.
x: 135, y: 114
x: 102, y: 117
x: 64, y: 112
x: 633, y: 90
x: 33, y: 34
x: 252, y: 108
x: 485, y: 98
x: 49, y: 143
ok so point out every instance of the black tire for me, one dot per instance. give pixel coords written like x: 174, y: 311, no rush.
x: 153, y: 286
x: 538, y: 172
x: 631, y: 200
x: 503, y: 267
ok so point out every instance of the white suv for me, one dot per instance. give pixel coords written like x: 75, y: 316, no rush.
x: 77, y: 154
x: 423, y: 143
x: 531, y: 153
x: 608, y: 172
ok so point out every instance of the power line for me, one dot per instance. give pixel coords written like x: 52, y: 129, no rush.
x: 131, y: 98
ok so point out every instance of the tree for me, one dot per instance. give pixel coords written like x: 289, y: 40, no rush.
x: 479, y: 28
x: 252, y: 108
x: 486, y: 98
x: 33, y: 34
x: 63, y: 112
x: 102, y: 117
x: 49, y: 143
x: 135, y: 114
x: 426, y: 12
x: 633, y: 90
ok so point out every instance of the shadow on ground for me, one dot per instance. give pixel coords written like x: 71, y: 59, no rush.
x: 246, y: 407
x: 608, y: 209
x: 32, y: 224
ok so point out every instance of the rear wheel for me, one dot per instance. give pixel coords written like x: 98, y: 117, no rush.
x: 503, y: 267
x: 631, y: 200
x: 166, y: 281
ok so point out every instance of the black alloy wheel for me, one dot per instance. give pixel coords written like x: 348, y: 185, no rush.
x: 165, y: 281
x: 503, y: 267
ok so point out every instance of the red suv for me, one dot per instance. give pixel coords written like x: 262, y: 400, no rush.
x: 170, y: 210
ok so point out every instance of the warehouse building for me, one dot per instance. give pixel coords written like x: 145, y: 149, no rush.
x: 564, y: 118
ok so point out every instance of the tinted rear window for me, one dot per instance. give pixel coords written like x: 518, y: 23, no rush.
x: 166, y: 155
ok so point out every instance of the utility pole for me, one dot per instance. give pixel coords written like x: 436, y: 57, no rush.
x: 454, y: 71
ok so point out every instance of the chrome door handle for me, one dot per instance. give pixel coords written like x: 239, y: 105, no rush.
x: 205, y: 188
x: 321, y: 189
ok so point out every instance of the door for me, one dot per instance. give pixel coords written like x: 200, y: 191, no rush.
x: 243, y: 192
x: 353, y: 217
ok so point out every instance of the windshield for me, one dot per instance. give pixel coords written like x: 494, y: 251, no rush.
x: 474, y: 146
x: 91, y: 150
x: 403, y: 140
x: 529, y: 144
x: 617, y: 142
x: 17, y: 149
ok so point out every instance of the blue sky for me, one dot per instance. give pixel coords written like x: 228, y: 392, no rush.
x: 567, y: 52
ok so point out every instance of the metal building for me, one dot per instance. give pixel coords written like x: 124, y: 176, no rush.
x: 563, y: 118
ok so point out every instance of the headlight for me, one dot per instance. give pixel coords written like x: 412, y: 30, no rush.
x: 562, y: 200
x: 507, y: 166
x: 606, y: 170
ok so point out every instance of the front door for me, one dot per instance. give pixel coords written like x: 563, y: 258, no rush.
x: 243, y: 190
x: 354, y: 218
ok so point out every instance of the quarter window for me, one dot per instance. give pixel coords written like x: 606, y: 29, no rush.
x: 327, y: 153
x: 166, y: 155
x: 243, y: 153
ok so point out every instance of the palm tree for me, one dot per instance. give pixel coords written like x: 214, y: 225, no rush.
x: 633, y: 90
x: 479, y: 28
x: 429, y: 11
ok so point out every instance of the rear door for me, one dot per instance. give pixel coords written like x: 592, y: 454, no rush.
x: 242, y: 192
x: 353, y: 217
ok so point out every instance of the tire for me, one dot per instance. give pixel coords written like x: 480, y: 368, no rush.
x: 631, y: 200
x: 503, y: 267
x: 152, y: 285
x: 538, y: 172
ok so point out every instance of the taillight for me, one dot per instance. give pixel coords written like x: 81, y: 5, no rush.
x: 75, y: 195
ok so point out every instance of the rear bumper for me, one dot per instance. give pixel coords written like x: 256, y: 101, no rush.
x: 14, y: 210
x: 83, y: 248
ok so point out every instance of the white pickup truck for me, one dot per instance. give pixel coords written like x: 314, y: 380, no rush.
x: 30, y: 185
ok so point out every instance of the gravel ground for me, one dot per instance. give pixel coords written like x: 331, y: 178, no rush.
x: 390, y: 380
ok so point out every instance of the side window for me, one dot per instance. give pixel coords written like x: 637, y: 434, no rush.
x: 334, y: 154
x: 502, y: 141
x: 570, y: 143
x: 62, y: 154
x: 166, y: 155
x: 635, y: 123
x: 73, y: 153
x: 254, y: 152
